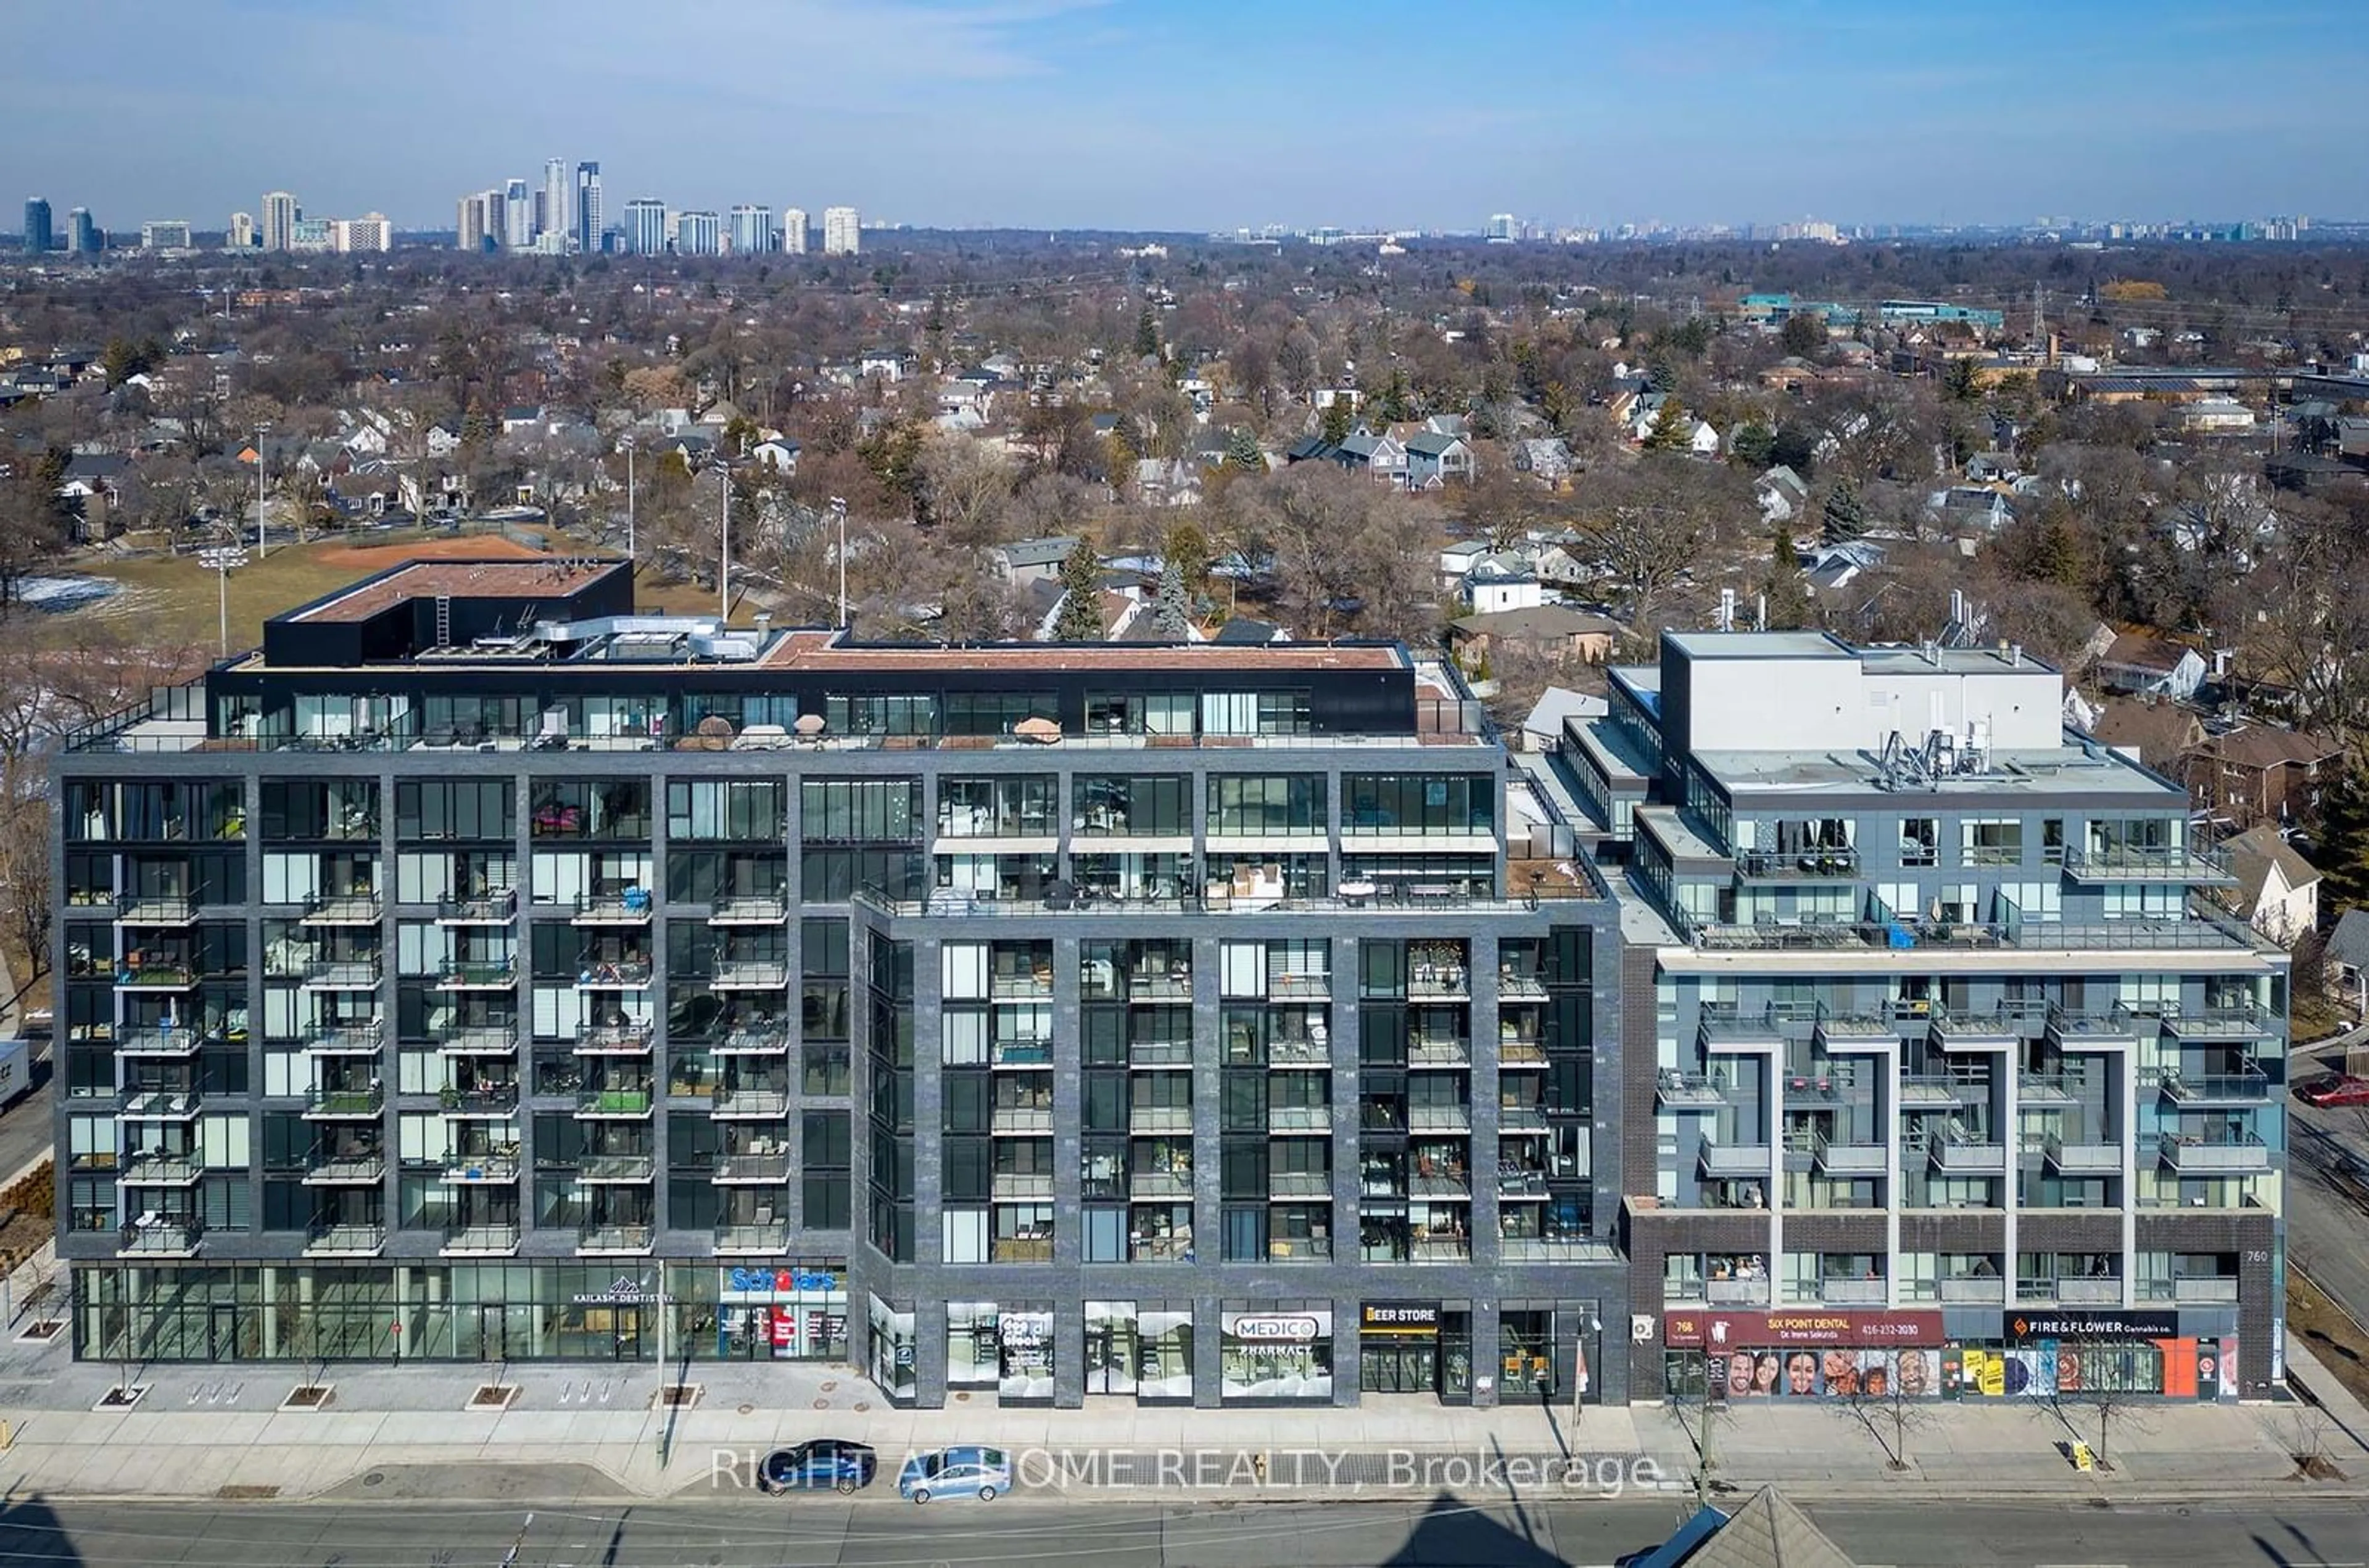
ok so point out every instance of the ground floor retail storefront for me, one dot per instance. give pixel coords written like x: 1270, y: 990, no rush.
x: 1033, y: 1351
x: 458, y: 1311
x: 1817, y: 1353
x: 1281, y: 1354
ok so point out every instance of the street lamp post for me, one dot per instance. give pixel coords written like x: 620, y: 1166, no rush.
x: 723, y: 575
x: 629, y: 499
x: 262, y: 546
x: 839, y: 511
x: 223, y: 560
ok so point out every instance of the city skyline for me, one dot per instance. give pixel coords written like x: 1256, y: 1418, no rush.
x: 1079, y: 114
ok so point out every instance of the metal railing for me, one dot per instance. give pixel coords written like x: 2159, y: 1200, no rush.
x: 2216, y: 1088
x: 597, y: 1239
x: 490, y: 1165
x: 365, y: 1102
x: 481, y: 1240
x: 330, y: 1169
x: 1798, y: 866
x: 752, y: 1168
x: 345, y: 1238
x: 162, y: 1235
x: 2130, y: 863
x: 483, y: 908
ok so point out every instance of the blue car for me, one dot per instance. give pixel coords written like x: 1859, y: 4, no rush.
x: 824, y: 1464
x: 957, y: 1472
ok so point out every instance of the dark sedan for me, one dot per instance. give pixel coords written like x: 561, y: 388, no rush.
x: 824, y: 1464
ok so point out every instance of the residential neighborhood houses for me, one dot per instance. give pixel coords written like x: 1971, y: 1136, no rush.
x: 1536, y: 479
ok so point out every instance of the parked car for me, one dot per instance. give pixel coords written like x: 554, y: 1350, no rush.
x: 957, y: 1472
x: 2333, y: 1088
x: 828, y: 1463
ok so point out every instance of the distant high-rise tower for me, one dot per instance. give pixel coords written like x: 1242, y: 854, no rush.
x: 1503, y: 228
x: 646, y: 226
x: 88, y: 239
x: 169, y: 234
x: 751, y: 229
x: 39, y: 230
x: 553, y: 219
x: 841, y: 233
x: 795, y: 238
x: 697, y: 233
x: 280, y: 214
x: 477, y: 223
x: 588, y: 208
x: 371, y: 231
x: 242, y: 232
x: 518, y: 216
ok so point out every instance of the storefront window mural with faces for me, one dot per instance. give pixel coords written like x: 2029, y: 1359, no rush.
x: 1827, y: 1355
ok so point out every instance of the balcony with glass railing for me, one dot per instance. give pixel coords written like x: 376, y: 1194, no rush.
x: 345, y: 1239
x: 343, y: 1104
x: 2192, y: 865
x: 487, y: 1165
x: 2215, y: 1152
x: 359, y: 1168
x: 158, y: 1102
x: 160, y: 1236
x: 160, y: 1168
x: 493, y: 1239
x: 624, y: 905
x: 1736, y: 1161
x: 752, y: 1169
x: 162, y: 1043
x: 749, y: 908
x: 343, y: 909
x: 2213, y: 1089
x: 751, y: 1102
x: 602, y: 1240
x: 479, y: 909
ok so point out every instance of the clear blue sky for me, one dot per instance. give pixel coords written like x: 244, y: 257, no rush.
x: 1202, y: 113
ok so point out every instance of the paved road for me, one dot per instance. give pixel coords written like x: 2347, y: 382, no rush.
x: 2328, y: 1233
x: 25, y: 1134
x: 876, y: 1532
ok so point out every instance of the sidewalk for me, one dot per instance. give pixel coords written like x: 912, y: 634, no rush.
x: 591, y: 1433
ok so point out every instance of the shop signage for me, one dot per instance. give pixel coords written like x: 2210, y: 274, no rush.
x: 1380, y: 1318
x: 1018, y: 1329
x: 1688, y: 1328
x: 2065, y: 1324
x: 778, y: 1281
x: 623, y: 1291
x: 1279, y: 1328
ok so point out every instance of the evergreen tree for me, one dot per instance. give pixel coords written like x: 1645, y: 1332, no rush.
x: 1672, y: 430
x: 1336, y: 420
x: 1962, y: 383
x: 1243, y: 452
x: 1170, y: 613
x: 1146, y: 336
x: 1790, y: 606
x: 1396, y: 400
x: 1844, y: 514
x: 1754, y: 446
x: 2343, y: 855
x: 1079, y: 619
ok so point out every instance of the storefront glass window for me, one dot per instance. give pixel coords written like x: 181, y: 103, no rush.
x: 1025, y: 1341
x: 1286, y: 1353
x: 892, y: 1350
x: 972, y: 1359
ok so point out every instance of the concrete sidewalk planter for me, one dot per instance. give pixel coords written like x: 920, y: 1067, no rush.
x: 493, y: 1396
x: 310, y: 1396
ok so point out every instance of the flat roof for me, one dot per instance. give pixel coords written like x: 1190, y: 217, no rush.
x: 2057, y: 772
x: 1757, y: 645
x: 822, y: 652
x: 456, y: 579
